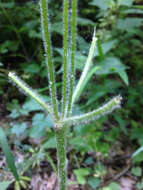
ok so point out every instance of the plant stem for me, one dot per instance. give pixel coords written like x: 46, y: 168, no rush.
x: 61, y: 156
x: 73, y: 48
x: 85, y: 70
x: 33, y: 94
x: 65, y: 15
x: 48, y: 52
x: 113, y: 104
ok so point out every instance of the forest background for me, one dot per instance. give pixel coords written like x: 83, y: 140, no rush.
x: 102, y: 154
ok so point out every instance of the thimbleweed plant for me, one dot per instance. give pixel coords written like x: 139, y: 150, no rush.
x: 63, y: 118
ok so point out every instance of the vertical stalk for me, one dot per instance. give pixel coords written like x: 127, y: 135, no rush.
x: 61, y: 155
x: 73, y: 48
x: 65, y: 31
x: 48, y: 52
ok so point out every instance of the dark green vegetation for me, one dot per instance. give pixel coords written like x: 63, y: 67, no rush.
x: 116, y: 69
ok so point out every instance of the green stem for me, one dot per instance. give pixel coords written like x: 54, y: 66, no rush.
x: 65, y: 15
x: 33, y: 94
x: 48, y: 52
x: 73, y: 48
x: 95, y: 114
x: 61, y: 156
x: 85, y: 70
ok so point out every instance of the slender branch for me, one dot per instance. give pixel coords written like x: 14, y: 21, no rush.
x: 73, y: 48
x: 96, y: 114
x: 26, y: 89
x: 85, y: 70
x: 65, y: 15
x: 48, y: 52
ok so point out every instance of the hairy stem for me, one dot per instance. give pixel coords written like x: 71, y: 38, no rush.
x: 33, y: 94
x: 61, y: 156
x: 85, y: 70
x: 65, y: 15
x: 48, y: 52
x: 95, y: 114
x: 73, y: 48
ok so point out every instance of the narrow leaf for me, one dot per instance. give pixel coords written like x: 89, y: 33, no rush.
x: 8, y: 154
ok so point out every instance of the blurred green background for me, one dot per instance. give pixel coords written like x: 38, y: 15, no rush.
x: 119, y: 59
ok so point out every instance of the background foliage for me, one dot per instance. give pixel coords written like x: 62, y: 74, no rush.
x: 116, y: 69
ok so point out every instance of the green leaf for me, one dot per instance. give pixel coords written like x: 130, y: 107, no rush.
x: 57, y: 28
x: 8, y: 154
x: 7, y: 5
x: 102, y: 4
x: 51, y: 143
x: 94, y: 182
x: 19, y: 129
x: 113, y: 65
x: 106, y: 47
x: 80, y: 174
x: 39, y: 124
x: 32, y: 105
x: 85, y: 21
x: 125, y: 2
x: 124, y: 76
x: 129, y: 24
x: 137, y: 171
x: 4, y: 185
x: 114, y: 186
x: 139, y: 185
x: 32, y: 68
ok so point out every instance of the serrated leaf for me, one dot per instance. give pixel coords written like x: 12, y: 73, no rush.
x: 8, y: 154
